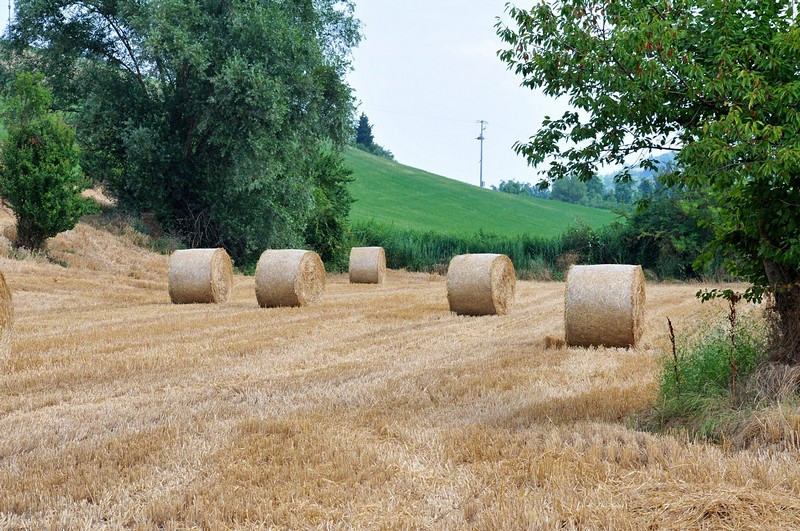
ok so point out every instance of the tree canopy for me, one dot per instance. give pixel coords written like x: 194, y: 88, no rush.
x: 212, y: 114
x: 716, y: 81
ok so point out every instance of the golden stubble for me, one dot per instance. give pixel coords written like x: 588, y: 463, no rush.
x: 374, y: 408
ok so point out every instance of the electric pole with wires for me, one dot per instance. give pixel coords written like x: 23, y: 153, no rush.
x: 482, y: 138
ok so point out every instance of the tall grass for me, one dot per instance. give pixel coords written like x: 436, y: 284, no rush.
x: 705, y: 388
x: 533, y: 256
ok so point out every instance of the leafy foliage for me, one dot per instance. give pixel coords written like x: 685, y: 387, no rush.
x: 39, y: 173
x: 714, y: 81
x: 328, y: 230
x: 214, y: 116
x: 569, y: 190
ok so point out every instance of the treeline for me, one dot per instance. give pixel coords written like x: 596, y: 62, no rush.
x: 667, y: 235
x: 599, y: 192
x: 224, y: 122
x: 595, y: 193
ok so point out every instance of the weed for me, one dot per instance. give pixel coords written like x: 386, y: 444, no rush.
x: 702, y: 384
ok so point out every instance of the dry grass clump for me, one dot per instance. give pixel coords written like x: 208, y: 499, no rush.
x: 289, y: 277
x: 200, y: 275
x: 480, y: 284
x: 604, y: 305
x: 94, y: 249
x: 367, y: 265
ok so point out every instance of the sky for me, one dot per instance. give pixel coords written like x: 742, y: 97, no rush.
x: 427, y: 71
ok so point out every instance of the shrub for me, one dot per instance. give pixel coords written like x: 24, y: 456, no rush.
x: 39, y: 173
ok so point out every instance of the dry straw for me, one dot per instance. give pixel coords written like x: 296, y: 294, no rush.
x: 200, y: 275
x: 604, y: 305
x: 480, y: 284
x: 367, y: 265
x: 289, y: 277
x: 10, y: 233
x: 6, y: 316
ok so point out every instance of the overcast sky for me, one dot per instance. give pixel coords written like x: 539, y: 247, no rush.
x: 425, y: 73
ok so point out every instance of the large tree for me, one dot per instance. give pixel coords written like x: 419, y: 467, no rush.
x: 209, y: 113
x: 715, y: 81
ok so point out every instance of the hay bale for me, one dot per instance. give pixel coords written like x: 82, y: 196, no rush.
x: 200, y: 275
x: 367, y: 265
x: 604, y: 305
x: 289, y: 277
x: 6, y: 317
x: 480, y: 284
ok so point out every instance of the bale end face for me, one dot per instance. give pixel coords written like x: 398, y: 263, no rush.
x: 480, y: 284
x: 289, y: 277
x: 367, y: 265
x: 604, y: 306
x: 200, y: 276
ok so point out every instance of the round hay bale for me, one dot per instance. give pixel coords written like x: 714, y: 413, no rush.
x: 289, y: 277
x: 604, y: 305
x: 200, y: 275
x: 6, y: 317
x: 367, y: 265
x: 480, y: 284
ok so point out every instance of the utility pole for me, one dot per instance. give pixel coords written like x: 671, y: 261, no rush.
x: 481, y: 138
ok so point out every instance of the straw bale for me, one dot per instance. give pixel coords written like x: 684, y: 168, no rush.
x: 367, y: 265
x: 289, y: 277
x: 6, y: 317
x: 200, y: 275
x: 604, y: 305
x: 480, y: 284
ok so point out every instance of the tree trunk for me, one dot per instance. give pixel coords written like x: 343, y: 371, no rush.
x: 29, y: 236
x: 785, y: 286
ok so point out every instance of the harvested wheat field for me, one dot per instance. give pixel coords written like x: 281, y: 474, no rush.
x: 374, y: 408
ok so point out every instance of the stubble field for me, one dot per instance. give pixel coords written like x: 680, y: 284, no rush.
x: 375, y: 408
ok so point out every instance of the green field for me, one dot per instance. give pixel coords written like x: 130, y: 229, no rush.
x: 388, y: 193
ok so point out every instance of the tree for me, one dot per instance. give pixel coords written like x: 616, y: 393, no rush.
x: 714, y: 81
x: 623, y: 191
x: 512, y: 187
x: 366, y: 142
x: 39, y: 173
x: 364, y: 132
x: 595, y: 188
x: 328, y: 230
x: 569, y: 190
x: 211, y: 115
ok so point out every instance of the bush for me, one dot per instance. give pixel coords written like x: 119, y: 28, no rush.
x: 39, y: 173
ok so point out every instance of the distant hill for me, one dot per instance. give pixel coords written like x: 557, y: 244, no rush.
x: 393, y: 194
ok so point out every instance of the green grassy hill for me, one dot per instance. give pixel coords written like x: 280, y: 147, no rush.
x: 393, y: 194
